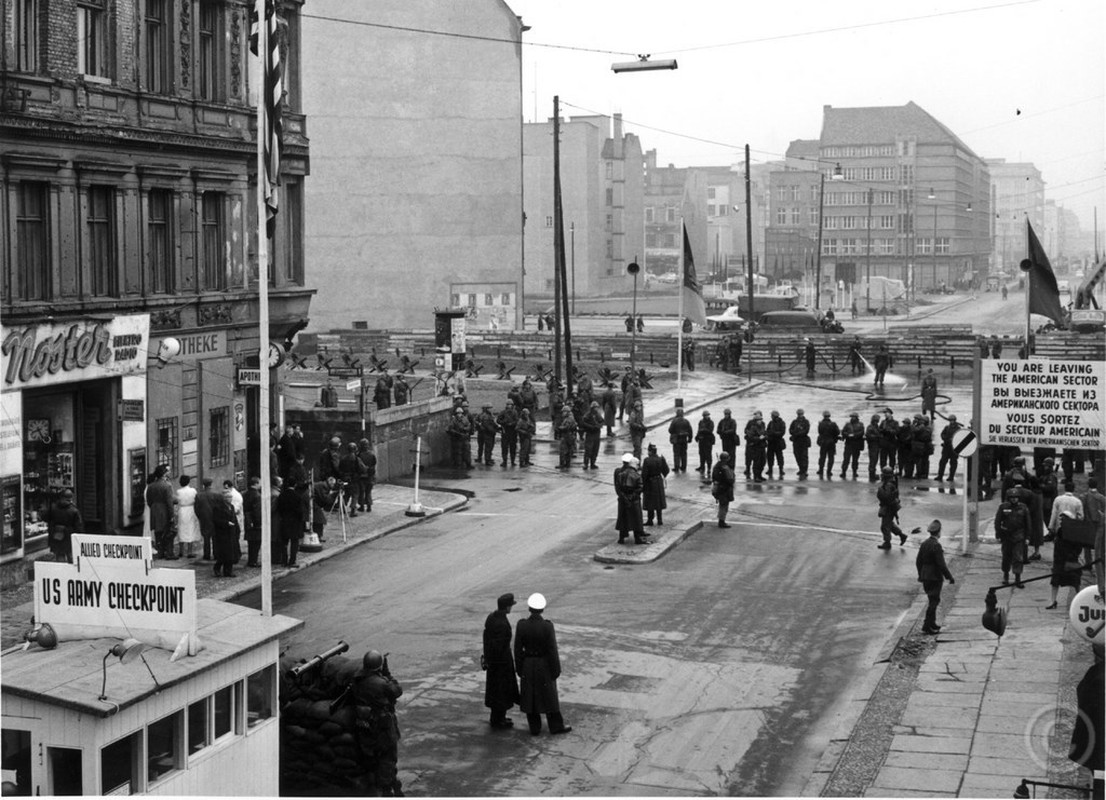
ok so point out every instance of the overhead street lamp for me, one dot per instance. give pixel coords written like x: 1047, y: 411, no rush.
x: 643, y: 64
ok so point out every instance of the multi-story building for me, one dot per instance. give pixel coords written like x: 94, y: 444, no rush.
x: 1018, y: 192
x: 416, y: 200
x: 904, y: 198
x: 791, y: 235
x: 668, y: 196
x: 127, y: 186
x: 602, y: 183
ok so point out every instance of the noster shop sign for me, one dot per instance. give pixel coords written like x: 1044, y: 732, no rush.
x: 1043, y: 403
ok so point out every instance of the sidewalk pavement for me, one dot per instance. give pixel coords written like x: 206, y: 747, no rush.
x: 982, y: 712
x: 390, y: 503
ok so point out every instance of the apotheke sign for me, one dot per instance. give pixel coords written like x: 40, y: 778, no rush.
x: 42, y: 355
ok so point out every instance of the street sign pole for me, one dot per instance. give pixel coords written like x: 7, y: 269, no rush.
x: 416, y: 508
x: 971, y: 523
x: 965, y: 444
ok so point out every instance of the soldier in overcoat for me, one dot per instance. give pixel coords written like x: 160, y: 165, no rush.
x: 501, y: 689
x: 538, y: 665
x: 654, y: 469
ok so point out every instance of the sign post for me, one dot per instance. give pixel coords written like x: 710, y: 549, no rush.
x: 965, y: 443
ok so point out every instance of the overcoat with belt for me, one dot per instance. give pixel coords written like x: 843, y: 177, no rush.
x: 538, y: 665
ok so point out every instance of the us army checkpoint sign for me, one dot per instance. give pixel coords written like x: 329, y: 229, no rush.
x: 1043, y: 403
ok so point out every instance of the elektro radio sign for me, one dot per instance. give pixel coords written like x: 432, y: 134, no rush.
x: 1043, y: 403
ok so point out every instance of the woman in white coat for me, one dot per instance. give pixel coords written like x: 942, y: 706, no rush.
x: 188, y: 524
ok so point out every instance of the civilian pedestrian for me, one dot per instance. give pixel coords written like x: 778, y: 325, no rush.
x: 226, y: 533
x: 63, y: 520
x: 188, y: 524
x: 160, y: 499
x: 205, y: 500
x: 251, y: 504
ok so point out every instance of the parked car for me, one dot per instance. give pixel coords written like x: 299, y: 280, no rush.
x: 727, y: 320
x: 801, y: 321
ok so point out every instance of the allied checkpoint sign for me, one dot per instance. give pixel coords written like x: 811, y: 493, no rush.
x: 110, y: 590
x: 1043, y: 403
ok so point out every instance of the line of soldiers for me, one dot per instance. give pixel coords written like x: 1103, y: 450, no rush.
x: 904, y: 446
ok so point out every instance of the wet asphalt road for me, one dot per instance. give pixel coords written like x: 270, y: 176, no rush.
x: 716, y: 670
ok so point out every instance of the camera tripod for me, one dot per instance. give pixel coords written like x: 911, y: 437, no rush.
x: 338, y: 509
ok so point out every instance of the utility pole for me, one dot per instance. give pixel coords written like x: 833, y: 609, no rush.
x: 818, y: 247
x: 558, y: 238
x: 868, y: 281
x: 749, y: 236
x: 559, y: 243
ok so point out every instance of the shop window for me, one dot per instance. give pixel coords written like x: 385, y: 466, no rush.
x: 32, y: 240
x: 160, y: 235
x: 101, y: 241
x: 219, y: 436
x: 199, y: 736
x: 92, y: 47
x: 26, y: 35
x: 210, y: 82
x: 157, y: 46
x: 119, y: 766
x: 260, y: 698
x: 214, y: 237
x: 164, y: 753
x: 167, y: 438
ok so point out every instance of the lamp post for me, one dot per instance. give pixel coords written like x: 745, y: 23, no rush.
x: 634, y: 268
x: 838, y: 174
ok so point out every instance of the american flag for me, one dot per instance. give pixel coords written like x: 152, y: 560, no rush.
x: 271, y: 116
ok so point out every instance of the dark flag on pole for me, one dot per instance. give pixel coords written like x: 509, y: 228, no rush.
x: 1044, y: 294
x: 270, y: 123
x: 695, y: 308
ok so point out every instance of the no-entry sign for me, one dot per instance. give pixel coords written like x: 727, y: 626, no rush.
x: 1043, y: 403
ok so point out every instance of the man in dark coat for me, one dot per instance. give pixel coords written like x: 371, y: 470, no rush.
x: 292, y: 506
x: 538, y: 664
x: 799, y: 433
x: 705, y: 438
x: 853, y: 435
x: 948, y: 453
x: 722, y: 481
x: 382, y: 392
x: 628, y: 487
x: 828, y: 434
x: 638, y: 429
x: 888, y: 440
x: 507, y: 420
x: 486, y: 429
x: 872, y: 437
x: 160, y: 497
x: 225, y: 535
x: 654, y: 469
x: 592, y: 426
x: 932, y: 572
x: 349, y: 473
x: 205, y: 499
x: 727, y: 434
x: 856, y: 363
x: 881, y: 362
x: 251, y: 510
x: 366, y: 475
x: 62, y: 521
x: 774, y: 433
x: 501, y: 689
x: 374, y: 693
x: 810, y: 354
x: 679, y: 434
x: 756, y: 446
x: 402, y: 390
x: 929, y: 394
x: 609, y: 400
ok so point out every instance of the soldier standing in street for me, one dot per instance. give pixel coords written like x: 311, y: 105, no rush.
x: 374, y: 692
x: 486, y: 429
x: 609, y: 400
x: 856, y: 363
x: 654, y: 469
x: 525, y: 436
x: 501, y: 689
x: 679, y: 434
x: 948, y: 453
x: 853, y: 434
x: 755, y: 445
x: 727, y: 434
x: 402, y: 390
x: 828, y: 434
x: 881, y: 362
x: 459, y: 433
x: 1012, y: 522
x: 929, y: 394
x: 888, y: 496
x: 906, y: 449
x: 932, y: 573
x: 628, y: 487
x: 799, y: 433
x: 705, y: 439
x: 528, y: 397
x: 888, y: 439
x: 538, y: 665
x: 810, y: 354
x: 921, y: 445
x: 382, y: 392
x: 592, y: 426
x: 508, y: 423
x: 872, y: 437
x: 774, y: 433
x: 637, y: 426
x: 366, y: 476
x: 722, y: 480
x: 567, y: 435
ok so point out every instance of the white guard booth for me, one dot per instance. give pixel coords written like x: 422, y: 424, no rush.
x: 121, y: 710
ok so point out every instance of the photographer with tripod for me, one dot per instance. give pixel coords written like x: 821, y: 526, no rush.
x: 325, y: 495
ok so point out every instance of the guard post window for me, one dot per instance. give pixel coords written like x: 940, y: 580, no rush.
x: 214, y: 266
x: 219, y: 436
x: 91, y: 47
x: 157, y: 46
x: 32, y: 245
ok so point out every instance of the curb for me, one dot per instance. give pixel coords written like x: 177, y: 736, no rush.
x: 229, y: 595
x: 628, y: 554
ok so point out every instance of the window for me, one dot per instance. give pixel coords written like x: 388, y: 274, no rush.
x: 163, y: 746
x: 648, y: 214
x: 610, y: 169
x: 157, y: 46
x: 610, y: 197
x: 101, y: 241
x: 219, y: 436
x: 32, y: 243
x: 259, y: 693
x: 209, y: 82
x: 26, y: 35
x: 943, y: 245
x: 198, y: 735
x: 795, y: 216
x: 796, y: 194
x: 293, y: 213
x: 91, y: 46
x: 710, y: 192
x: 610, y: 248
x: 711, y: 209
x: 167, y: 444
x: 723, y: 210
x: 549, y: 222
x: 119, y: 766
x: 886, y: 221
x: 670, y: 214
x: 159, y: 268
x: 812, y: 218
x: 488, y: 299
x: 214, y: 263
x: 223, y: 705
x: 505, y: 299
x: 609, y: 223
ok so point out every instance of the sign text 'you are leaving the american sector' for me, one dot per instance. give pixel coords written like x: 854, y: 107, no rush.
x: 1044, y: 403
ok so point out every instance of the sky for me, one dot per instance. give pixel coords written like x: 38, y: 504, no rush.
x: 1022, y: 80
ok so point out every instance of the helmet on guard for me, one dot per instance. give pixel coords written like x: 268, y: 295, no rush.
x: 373, y: 661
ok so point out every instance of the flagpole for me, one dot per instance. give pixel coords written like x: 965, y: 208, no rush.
x: 1028, y: 284
x: 263, y: 319
x: 680, y: 315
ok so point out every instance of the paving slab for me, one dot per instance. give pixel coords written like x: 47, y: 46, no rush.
x: 913, y: 743
x: 929, y: 780
x: 950, y: 762
x: 1015, y: 764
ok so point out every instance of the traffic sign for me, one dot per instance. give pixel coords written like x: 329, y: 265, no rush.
x: 1087, y: 615
x: 964, y: 443
x: 354, y: 385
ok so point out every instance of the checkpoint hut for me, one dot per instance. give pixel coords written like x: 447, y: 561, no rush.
x: 116, y: 715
